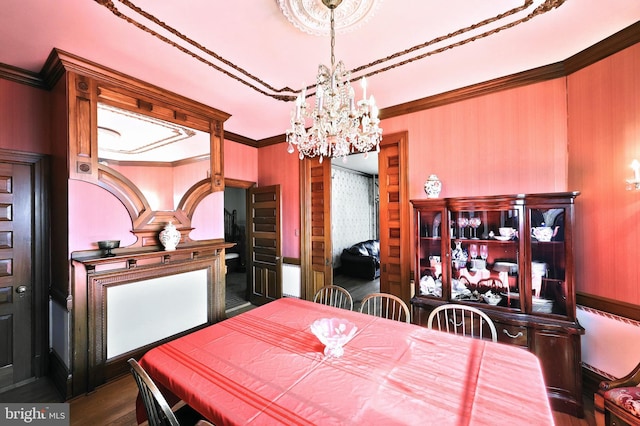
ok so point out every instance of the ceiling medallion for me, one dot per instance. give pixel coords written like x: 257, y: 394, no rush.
x: 312, y: 16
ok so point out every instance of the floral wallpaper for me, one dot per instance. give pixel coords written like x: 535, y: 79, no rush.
x: 354, y: 209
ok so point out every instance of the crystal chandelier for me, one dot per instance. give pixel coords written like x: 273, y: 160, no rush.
x: 341, y: 125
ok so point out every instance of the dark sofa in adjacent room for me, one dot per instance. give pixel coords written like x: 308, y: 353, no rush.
x: 361, y: 260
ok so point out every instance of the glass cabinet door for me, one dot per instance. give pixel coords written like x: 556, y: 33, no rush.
x: 548, y: 261
x: 485, y: 257
x: 430, y: 226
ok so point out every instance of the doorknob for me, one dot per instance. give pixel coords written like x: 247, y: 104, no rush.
x: 21, y: 289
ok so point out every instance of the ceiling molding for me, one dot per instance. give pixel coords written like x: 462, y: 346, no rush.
x: 548, y: 72
x: 18, y: 75
x: 607, y: 47
x: 152, y: 25
x: 234, y: 137
x: 536, y: 75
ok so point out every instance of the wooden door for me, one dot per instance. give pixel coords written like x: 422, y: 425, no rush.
x: 17, y: 279
x: 395, y: 217
x: 316, y: 225
x: 264, y: 251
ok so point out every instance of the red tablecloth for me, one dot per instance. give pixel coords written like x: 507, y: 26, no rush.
x: 265, y: 367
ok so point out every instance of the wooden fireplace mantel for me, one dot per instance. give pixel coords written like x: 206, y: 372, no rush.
x: 94, y: 274
x: 129, y: 258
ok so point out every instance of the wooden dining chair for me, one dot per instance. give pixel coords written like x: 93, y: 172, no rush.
x: 334, y: 295
x: 158, y: 411
x: 617, y: 402
x: 463, y: 320
x: 385, y: 306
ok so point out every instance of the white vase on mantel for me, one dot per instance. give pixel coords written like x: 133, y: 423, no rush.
x: 433, y: 186
x: 169, y: 237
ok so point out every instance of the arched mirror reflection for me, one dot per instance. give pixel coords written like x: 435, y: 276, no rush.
x: 163, y: 159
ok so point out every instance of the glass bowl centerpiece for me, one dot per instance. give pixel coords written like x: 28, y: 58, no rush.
x: 333, y: 333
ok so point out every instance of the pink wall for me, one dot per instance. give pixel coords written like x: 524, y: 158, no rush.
x: 277, y: 166
x: 156, y: 183
x: 508, y: 142
x: 96, y: 215
x: 208, y: 219
x: 24, y: 118
x: 188, y: 174
x: 240, y: 161
x: 604, y: 137
x: 164, y: 187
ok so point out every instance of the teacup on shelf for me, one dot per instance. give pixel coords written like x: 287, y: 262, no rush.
x: 492, y: 298
x: 507, y: 232
x: 544, y: 233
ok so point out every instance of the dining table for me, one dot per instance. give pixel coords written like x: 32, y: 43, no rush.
x: 266, y: 367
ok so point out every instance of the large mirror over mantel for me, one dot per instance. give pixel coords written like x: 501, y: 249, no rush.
x: 162, y: 159
x: 157, y: 152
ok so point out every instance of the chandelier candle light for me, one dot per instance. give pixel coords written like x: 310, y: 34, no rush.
x: 341, y: 125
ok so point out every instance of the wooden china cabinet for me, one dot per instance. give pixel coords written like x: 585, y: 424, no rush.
x: 512, y: 257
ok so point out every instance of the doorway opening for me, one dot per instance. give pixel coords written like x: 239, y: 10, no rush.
x: 235, y: 216
x: 355, y: 224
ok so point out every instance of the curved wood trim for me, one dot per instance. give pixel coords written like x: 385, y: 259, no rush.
x: 147, y: 223
x: 193, y: 196
x: 124, y: 190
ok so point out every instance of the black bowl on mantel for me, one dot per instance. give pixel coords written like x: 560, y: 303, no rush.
x: 108, y: 245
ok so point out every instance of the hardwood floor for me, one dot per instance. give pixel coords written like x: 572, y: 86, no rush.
x: 112, y: 404
x: 357, y: 287
x: 235, y: 291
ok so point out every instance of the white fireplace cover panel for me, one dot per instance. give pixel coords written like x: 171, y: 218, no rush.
x: 146, y: 311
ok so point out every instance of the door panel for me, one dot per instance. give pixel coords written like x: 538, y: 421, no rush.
x: 395, y: 217
x: 395, y: 220
x: 265, y: 252
x: 316, y: 218
x: 16, y: 291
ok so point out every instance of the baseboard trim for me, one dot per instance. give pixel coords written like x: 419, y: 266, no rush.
x: 60, y: 375
x: 615, y: 307
x: 591, y: 380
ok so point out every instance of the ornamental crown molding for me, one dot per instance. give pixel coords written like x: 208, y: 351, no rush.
x: 312, y: 16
